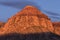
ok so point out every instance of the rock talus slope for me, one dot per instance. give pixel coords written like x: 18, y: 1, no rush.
x: 28, y: 20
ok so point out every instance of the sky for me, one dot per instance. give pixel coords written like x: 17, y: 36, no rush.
x: 49, y: 7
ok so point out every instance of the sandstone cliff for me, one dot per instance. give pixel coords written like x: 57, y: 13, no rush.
x: 28, y: 20
x: 56, y: 27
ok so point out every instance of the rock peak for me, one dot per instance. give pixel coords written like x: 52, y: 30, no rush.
x: 29, y: 10
x: 28, y: 20
x: 29, y: 6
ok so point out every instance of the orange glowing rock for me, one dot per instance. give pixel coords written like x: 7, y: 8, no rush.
x: 28, y: 20
x: 56, y: 27
x: 2, y: 24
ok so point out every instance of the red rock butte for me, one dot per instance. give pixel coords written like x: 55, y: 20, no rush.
x: 28, y: 20
x: 31, y: 11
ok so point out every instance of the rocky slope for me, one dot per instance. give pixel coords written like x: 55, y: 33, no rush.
x: 28, y: 20
x: 56, y: 27
x: 29, y: 24
x: 2, y: 24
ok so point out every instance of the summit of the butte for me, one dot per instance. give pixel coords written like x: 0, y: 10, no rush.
x: 28, y: 20
x: 31, y: 11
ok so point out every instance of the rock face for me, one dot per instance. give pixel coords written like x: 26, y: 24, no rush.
x: 28, y: 20
x: 2, y: 24
x: 56, y: 27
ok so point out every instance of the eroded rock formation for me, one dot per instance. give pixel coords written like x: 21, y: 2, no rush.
x: 28, y: 20
x: 56, y: 27
x: 2, y: 24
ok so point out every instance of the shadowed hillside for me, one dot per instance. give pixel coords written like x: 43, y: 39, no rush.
x: 36, y: 36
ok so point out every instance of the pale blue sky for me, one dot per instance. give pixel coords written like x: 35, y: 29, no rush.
x: 10, y: 7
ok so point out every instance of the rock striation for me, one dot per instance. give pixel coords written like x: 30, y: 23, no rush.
x: 28, y: 20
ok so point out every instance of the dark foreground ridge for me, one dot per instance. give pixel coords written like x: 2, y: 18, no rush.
x: 37, y: 36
